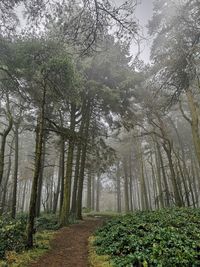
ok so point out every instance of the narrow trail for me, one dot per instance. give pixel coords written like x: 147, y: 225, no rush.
x: 69, y: 248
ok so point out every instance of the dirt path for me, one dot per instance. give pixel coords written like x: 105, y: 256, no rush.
x: 69, y: 248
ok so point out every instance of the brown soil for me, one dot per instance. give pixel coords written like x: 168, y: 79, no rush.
x: 69, y: 248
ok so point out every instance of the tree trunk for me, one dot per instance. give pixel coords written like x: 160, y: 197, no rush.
x: 93, y: 192
x: 126, y: 195
x: 40, y: 179
x: 15, y: 175
x: 159, y: 180
x: 76, y: 177
x: 89, y: 190
x: 23, y: 196
x: 56, y: 195
x: 131, y: 183
x: 62, y: 171
x: 177, y: 196
x: 64, y: 217
x: 4, y: 190
x: 143, y: 188
x: 3, y: 141
x: 163, y: 174
x: 83, y: 160
x: 194, y: 123
x: 38, y: 156
x: 119, y: 206
x: 98, y: 186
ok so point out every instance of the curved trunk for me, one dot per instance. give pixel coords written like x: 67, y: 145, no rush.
x: 177, y: 196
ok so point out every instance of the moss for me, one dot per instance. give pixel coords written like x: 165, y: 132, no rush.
x: 96, y: 260
x: 42, y: 244
x: 103, y: 215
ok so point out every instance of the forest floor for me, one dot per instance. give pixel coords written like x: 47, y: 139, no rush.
x: 69, y: 247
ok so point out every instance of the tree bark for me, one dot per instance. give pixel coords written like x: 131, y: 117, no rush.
x: 4, y: 189
x: 131, y: 183
x: 77, y: 173
x: 119, y: 206
x: 62, y: 171
x: 163, y: 174
x: 126, y: 195
x: 177, y: 196
x: 83, y: 160
x: 4, y: 135
x: 89, y: 190
x: 40, y: 179
x: 98, y: 186
x: 64, y: 216
x: 93, y: 192
x: 15, y: 175
x: 56, y: 194
x: 38, y: 156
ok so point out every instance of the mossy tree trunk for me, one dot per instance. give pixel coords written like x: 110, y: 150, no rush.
x: 93, y: 193
x: 4, y: 135
x: 89, y: 190
x: 62, y: 171
x: 161, y: 202
x: 118, y: 185
x: 4, y: 187
x: 143, y: 186
x: 15, y: 174
x: 40, y: 180
x: 164, y: 176
x: 177, y: 197
x: 77, y: 166
x: 57, y: 192
x: 131, y: 182
x: 37, y: 168
x: 83, y: 158
x: 64, y: 216
x: 126, y: 193
x: 98, y: 189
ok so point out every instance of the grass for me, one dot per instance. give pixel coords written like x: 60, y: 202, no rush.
x: 42, y: 244
x: 106, y: 214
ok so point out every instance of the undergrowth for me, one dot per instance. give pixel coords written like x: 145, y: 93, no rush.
x: 13, y: 237
x: 164, y: 238
x: 25, y: 257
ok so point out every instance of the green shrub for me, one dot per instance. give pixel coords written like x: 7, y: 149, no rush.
x: 47, y: 222
x: 159, y: 238
x: 86, y: 210
x: 12, y: 235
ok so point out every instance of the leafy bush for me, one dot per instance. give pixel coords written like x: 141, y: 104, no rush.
x: 47, y: 222
x: 26, y: 257
x: 164, y: 238
x: 13, y: 232
x: 12, y: 235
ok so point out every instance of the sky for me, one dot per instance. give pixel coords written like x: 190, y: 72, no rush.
x: 144, y: 13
